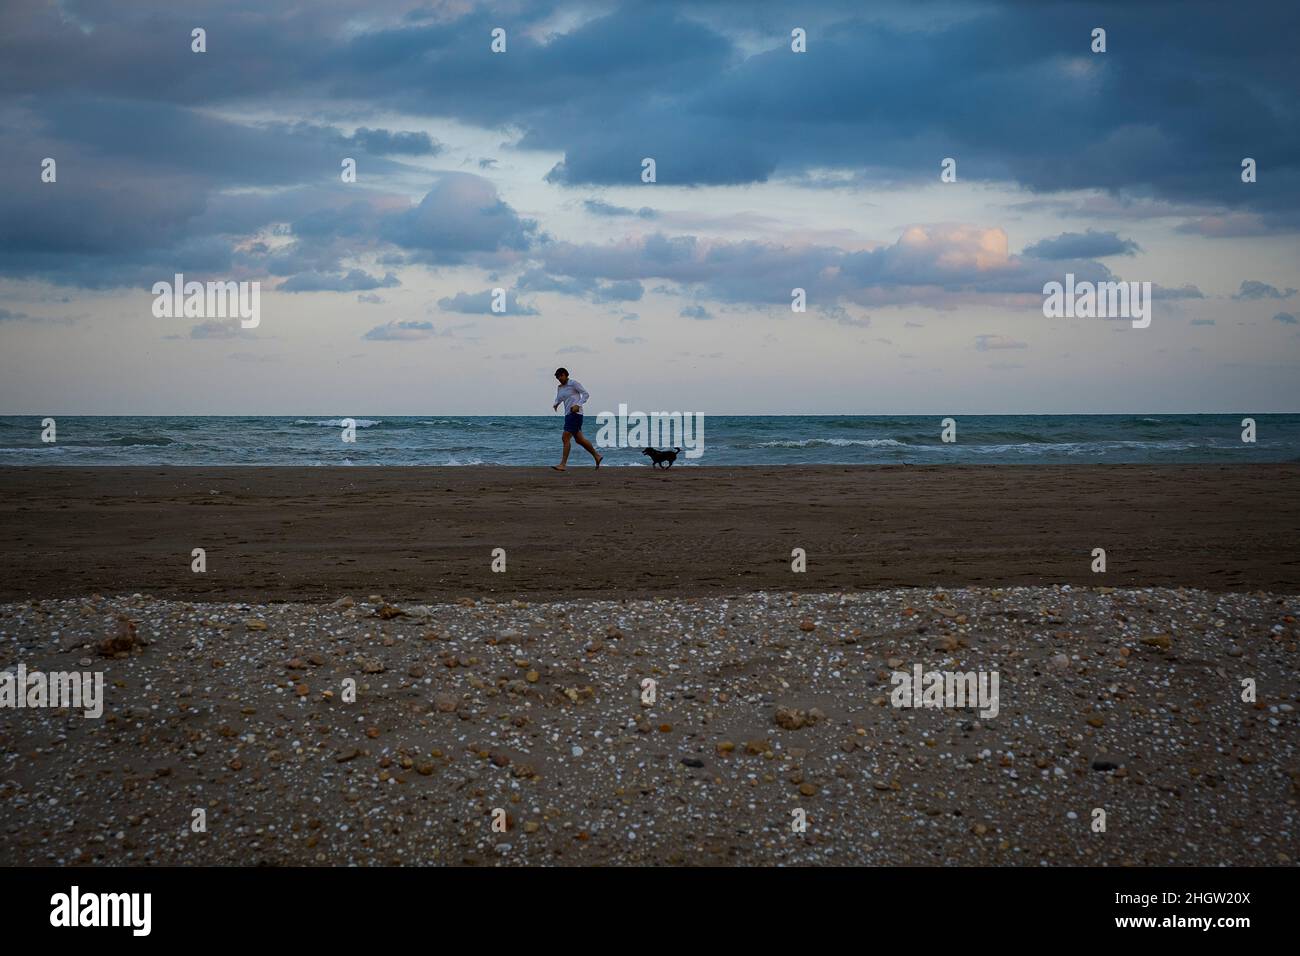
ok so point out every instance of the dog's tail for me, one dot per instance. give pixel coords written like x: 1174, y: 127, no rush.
x: 678, y: 450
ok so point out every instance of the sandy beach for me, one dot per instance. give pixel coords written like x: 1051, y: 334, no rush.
x: 1122, y: 701
x: 427, y: 534
x: 523, y: 692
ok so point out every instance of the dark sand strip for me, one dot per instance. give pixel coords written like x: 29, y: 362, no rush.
x: 427, y: 534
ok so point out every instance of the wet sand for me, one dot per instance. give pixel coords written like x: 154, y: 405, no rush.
x: 427, y: 534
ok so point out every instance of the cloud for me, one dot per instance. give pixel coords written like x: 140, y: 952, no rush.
x: 370, y: 298
x: 1253, y: 289
x: 714, y: 93
x: 696, y: 312
x: 988, y: 343
x: 480, y: 303
x: 1201, y: 322
x: 585, y: 287
x: 537, y: 280
x: 937, y: 265
x: 1235, y: 225
x: 1188, y: 291
x: 400, y: 332
x: 459, y: 220
x: 381, y: 142
x: 1082, y: 245
x: 627, y: 290
x: 628, y: 339
x: 219, y: 329
x: 573, y: 350
x: 1286, y: 318
x: 200, y: 180
x: 598, y: 207
x: 353, y: 281
x: 9, y: 315
x: 841, y: 315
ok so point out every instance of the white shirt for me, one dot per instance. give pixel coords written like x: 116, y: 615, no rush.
x: 572, y: 393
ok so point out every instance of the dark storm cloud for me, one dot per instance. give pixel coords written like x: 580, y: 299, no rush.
x: 1082, y: 245
x: 155, y: 175
x: 1009, y: 89
x: 161, y: 136
x: 133, y: 229
x: 381, y: 142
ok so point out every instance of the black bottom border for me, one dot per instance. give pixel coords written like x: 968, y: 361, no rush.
x: 961, y: 905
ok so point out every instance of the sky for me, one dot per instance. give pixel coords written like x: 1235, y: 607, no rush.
x: 523, y: 170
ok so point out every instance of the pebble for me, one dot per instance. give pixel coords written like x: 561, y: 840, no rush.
x: 271, y: 743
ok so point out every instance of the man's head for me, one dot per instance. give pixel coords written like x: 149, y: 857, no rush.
x: 562, y: 374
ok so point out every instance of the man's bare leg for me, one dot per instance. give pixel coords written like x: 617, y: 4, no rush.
x: 564, y: 459
x: 582, y: 440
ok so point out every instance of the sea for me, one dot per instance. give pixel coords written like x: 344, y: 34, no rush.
x: 454, y: 441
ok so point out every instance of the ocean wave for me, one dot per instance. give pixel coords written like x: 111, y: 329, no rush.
x: 533, y: 440
x: 828, y: 442
x: 338, y: 422
x: 123, y: 441
x: 1011, y: 437
x: 1061, y: 448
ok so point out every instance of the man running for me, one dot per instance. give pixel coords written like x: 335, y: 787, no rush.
x: 573, y: 396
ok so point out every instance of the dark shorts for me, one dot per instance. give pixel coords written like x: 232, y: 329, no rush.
x: 573, y: 422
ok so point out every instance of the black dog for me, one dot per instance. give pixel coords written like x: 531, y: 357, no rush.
x: 659, y: 457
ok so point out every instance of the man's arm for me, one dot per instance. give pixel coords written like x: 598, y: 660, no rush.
x: 583, y: 394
